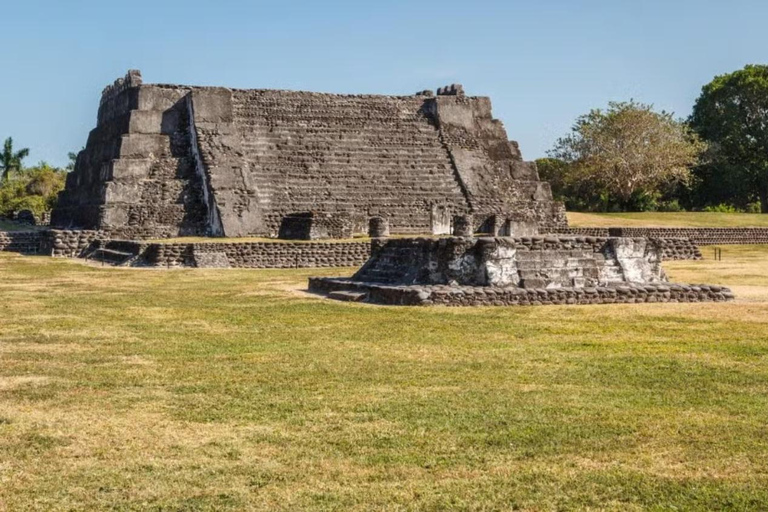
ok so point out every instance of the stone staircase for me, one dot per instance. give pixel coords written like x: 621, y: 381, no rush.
x: 542, y: 269
x: 115, y: 252
x: 388, y: 264
x: 610, y: 269
x: 346, y: 153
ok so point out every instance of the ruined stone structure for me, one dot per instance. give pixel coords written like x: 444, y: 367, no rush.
x: 172, y: 160
x: 509, y: 271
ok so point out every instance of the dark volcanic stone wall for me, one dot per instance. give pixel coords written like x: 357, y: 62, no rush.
x: 170, y: 160
x: 262, y: 254
x: 25, y: 242
x: 582, y: 231
x: 697, y: 236
x: 700, y: 236
x: 69, y: 243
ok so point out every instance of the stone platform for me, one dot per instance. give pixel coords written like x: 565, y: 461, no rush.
x: 515, y: 271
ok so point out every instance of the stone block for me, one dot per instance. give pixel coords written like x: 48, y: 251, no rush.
x: 463, y: 225
x: 138, y: 145
x: 122, y: 192
x: 114, y: 215
x: 145, y: 121
x: 212, y: 259
x: 152, y: 97
x: 212, y: 105
x: 378, y: 227
x: 128, y: 169
x: 524, y: 171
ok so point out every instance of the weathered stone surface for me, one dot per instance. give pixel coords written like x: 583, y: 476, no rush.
x: 535, y: 262
x: 259, y: 254
x: 463, y: 225
x: 210, y: 259
x: 378, y: 227
x: 25, y: 242
x: 177, y: 160
x: 680, y: 243
x: 315, y: 226
x: 464, y: 271
x: 429, y: 295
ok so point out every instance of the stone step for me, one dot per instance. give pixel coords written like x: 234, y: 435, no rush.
x: 140, y: 145
x: 347, y: 296
x: 111, y: 256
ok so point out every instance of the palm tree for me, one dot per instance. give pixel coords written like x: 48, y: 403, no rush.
x: 10, y: 161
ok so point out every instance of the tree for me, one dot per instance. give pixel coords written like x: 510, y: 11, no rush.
x: 732, y: 115
x: 569, y: 187
x: 72, y: 161
x: 34, y: 188
x: 10, y: 161
x: 629, y: 151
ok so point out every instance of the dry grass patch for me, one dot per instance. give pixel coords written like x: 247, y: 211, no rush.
x: 235, y: 390
x: 667, y: 219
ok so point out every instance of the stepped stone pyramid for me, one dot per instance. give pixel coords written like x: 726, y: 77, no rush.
x: 174, y: 160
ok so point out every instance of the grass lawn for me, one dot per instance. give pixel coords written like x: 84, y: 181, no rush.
x: 664, y: 219
x: 134, y: 389
x: 13, y: 226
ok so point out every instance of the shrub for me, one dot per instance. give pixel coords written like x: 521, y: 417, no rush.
x: 672, y: 205
x: 35, y: 188
x: 721, y: 208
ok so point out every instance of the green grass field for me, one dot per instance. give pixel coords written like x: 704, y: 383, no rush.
x: 132, y: 389
x: 662, y: 219
x: 12, y: 226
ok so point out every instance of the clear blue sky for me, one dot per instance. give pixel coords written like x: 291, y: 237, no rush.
x: 543, y: 62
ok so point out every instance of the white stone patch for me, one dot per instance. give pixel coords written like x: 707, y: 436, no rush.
x: 501, y: 270
x: 639, y: 260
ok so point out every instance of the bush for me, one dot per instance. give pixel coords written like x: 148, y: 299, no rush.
x: 721, y: 208
x: 35, y: 188
x: 753, y: 207
x: 672, y: 205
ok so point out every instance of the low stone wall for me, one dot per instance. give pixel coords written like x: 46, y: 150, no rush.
x: 69, y: 243
x: 673, y: 247
x: 678, y: 249
x: 262, y: 254
x: 601, y: 232
x: 25, y: 242
x: 698, y: 236
x: 75, y: 243
x: 419, y: 295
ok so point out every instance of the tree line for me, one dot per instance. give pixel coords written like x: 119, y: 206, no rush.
x: 34, y: 188
x: 629, y: 157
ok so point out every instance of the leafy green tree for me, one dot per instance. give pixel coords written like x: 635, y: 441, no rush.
x: 732, y: 115
x: 10, y: 161
x: 554, y: 172
x: 628, y: 154
x: 33, y: 188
